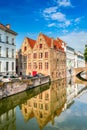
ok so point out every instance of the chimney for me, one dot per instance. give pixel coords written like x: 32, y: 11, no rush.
x: 8, y: 26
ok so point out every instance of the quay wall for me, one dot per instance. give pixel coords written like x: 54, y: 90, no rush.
x: 11, y: 88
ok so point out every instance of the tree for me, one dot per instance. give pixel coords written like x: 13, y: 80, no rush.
x: 85, y: 53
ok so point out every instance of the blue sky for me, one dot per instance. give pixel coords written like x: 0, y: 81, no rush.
x: 66, y: 19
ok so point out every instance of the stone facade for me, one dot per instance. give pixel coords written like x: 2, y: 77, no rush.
x: 45, y: 55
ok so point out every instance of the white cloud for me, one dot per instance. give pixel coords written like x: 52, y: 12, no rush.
x: 50, y: 10
x: 65, y: 24
x: 76, y: 40
x: 58, y: 16
x: 77, y: 20
x: 51, y: 25
x: 64, y: 3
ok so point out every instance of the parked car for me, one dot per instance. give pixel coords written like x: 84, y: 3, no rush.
x: 39, y: 75
x: 27, y: 76
x: 8, y: 78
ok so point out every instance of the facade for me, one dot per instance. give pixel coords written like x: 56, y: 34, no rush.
x: 70, y: 60
x: 7, y: 50
x: 44, y: 55
x: 73, y: 60
x: 79, y: 60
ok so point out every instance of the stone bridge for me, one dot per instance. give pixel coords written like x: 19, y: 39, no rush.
x: 78, y: 70
x: 77, y: 75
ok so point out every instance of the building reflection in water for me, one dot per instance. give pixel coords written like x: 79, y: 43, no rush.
x: 8, y: 120
x: 46, y: 105
x: 43, y: 103
x: 72, y: 90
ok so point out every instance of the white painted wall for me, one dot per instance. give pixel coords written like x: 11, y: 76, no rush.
x: 4, y: 45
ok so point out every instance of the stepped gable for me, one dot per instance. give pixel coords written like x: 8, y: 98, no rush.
x: 31, y: 42
x: 47, y: 39
x: 57, y: 43
x: 60, y: 42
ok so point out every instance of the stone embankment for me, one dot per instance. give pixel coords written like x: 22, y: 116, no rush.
x: 11, y: 88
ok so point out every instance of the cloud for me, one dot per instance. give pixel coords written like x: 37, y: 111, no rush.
x: 76, y: 40
x: 51, y: 25
x: 77, y: 20
x: 52, y: 14
x: 65, y: 24
x: 50, y: 10
x: 58, y: 16
x: 64, y: 3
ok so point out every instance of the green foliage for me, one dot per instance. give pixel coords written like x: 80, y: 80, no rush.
x: 85, y: 53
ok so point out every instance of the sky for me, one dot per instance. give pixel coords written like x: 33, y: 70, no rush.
x: 66, y: 19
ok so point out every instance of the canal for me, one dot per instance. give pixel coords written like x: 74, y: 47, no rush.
x: 61, y: 105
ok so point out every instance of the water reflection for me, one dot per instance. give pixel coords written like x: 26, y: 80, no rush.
x: 46, y: 105
x: 39, y: 106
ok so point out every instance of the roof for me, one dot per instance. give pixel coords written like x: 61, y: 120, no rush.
x: 31, y: 42
x: 47, y: 39
x: 3, y: 27
x: 57, y: 43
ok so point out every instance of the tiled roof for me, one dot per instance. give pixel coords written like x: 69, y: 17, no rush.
x: 31, y: 42
x: 6, y: 29
x: 57, y: 43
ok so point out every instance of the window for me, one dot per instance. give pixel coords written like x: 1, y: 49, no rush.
x: 46, y: 96
x: 12, y: 65
x: 40, y: 55
x: 46, y: 107
x: 12, y: 41
x: 0, y: 38
x: 25, y: 48
x: 40, y: 65
x: 7, y: 39
x: 41, y: 106
x: 25, y: 110
x: 6, y: 52
x: 40, y: 46
x: 35, y: 105
x: 0, y: 66
x: 7, y: 64
x: 25, y: 65
x: 46, y: 65
x: 46, y: 54
x: 35, y: 55
x: 12, y: 53
x: 0, y: 51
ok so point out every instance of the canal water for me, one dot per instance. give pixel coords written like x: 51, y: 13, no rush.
x: 61, y: 105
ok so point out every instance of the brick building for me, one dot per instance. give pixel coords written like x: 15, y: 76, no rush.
x: 44, y: 55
